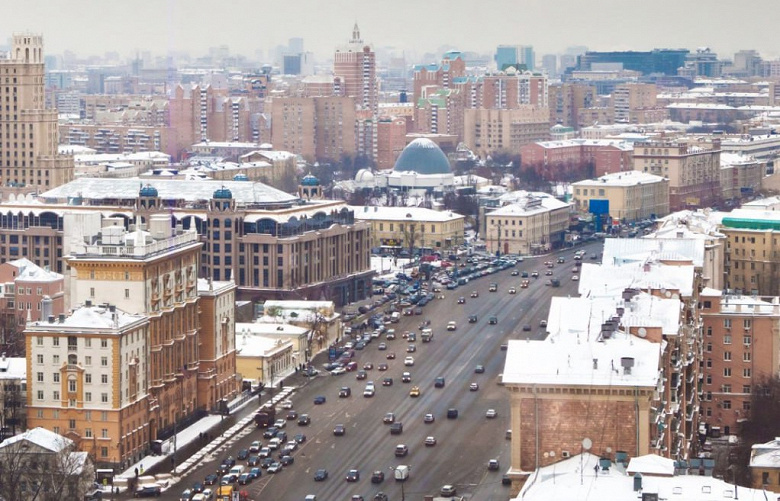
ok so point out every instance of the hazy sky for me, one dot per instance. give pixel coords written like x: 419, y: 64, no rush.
x: 97, y: 26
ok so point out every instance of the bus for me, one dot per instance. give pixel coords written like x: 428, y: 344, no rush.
x: 227, y: 493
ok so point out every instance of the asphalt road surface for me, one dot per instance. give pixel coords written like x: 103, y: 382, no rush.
x: 464, y: 445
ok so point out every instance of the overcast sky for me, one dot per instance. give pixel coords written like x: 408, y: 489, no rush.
x: 96, y: 26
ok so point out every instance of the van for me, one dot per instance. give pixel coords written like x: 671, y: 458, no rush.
x: 395, y: 317
x: 237, y: 470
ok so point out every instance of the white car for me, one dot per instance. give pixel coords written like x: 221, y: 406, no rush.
x: 338, y: 371
x: 256, y: 446
x: 409, y: 361
x: 451, y: 326
x: 287, y: 404
x: 491, y: 413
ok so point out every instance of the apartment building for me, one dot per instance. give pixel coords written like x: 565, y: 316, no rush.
x: 391, y: 140
x: 355, y: 64
x: 627, y: 99
x: 752, y: 258
x: 406, y: 227
x: 120, y: 138
x: 529, y: 223
x: 631, y: 196
x: 740, y: 175
x: 566, y: 102
x: 13, y: 395
x: 28, y: 152
x: 741, y: 347
x: 488, y: 131
x: 553, y: 158
x: 693, y: 171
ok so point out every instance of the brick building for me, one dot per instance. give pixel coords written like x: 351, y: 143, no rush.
x: 554, y: 157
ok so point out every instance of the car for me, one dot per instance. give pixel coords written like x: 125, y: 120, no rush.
x: 411, y: 348
x: 493, y: 320
x: 561, y: 260
x: 353, y: 475
x: 505, y: 480
x: 472, y: 319
x: 147, y: 491
x: 380, y: 496
x: 414, y: 391
x: 244, y: 478
x: 345, y: 392
x: 493, y: 287
x: 389, y: 418
x: 452, y: 325
x: 388, y: 381
x: 524, y: 274
x: 357, y: 497
x: 338, y: 371
x: 515, y: 273
x: 475, y: 294
x: 461, y: 300
x: 256, y: 473
x: 253, y: 460
x: 406, y: 377
x: 286, y: 460
x: 243, y: 454
x: 367, y: 367
x: 198, y: 487
x: 527, y: 327
x: 448, y: 490
x: 287, y: 404
x: 512, y: 290
x: 228, y: 479
x: 493, y: 465
x: 534, y: 274
x: 391, y: 356
x: 411, y: 337
x: 304, y: 419
x: 452, y: 413
x: 264, y: 452
x: 542, y: 323
x: 274, y: 443
x: 300, y: 438
x: 378, y: 477
x: 594, y: 257
x: 429, y: 418
x: 575, y: 278
x: 473, y: 387
x: 390, y: 335
x: 279, y: 423
x: 401, y: 450
x: 255, y: 446
x: 339, y: 430
x: 480, y: 369
x: 229, y: 461
x: 320, y: 475
x: 186, y: 495
x: 430, y: 441
x: 319, y: 400
x: 548, y: 273
x: 396, y: 428
x: 382, y: 367
x: 361, y: 375
x: 382, y: 346
x: 524, y: 284
x: 491, y: 413
x: 211, y: 479
x: 409, y: 361
x: 292, y: 415
x: 439, y: 382
x: 275, y: 467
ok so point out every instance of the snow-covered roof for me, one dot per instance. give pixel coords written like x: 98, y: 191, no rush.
x: 96, y: 317
x: 251, y: 344
x: 569, y: 143
x: 626, y: 250
x: 31, y: 272
x: 766, y: 455
x: 651, y: 464
x: 413, y: 214
x: 527, y: 203
x: 729, y: 159
x: 625, y: 178
x: 41, y: 437
x: 609, y: 280
x: 13, y: 367
x: 206, y: 286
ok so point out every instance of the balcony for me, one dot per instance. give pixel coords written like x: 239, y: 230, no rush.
x: 73, y: 347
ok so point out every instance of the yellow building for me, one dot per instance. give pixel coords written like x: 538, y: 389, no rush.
x: 533, y: 223
x: 632, y: 195
x: 752, y: 259
x: 765, y: 467
x: 265, y: 353
x: 407, y: 227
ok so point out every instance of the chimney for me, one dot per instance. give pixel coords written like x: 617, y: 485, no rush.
x: 112, y: 308
x: 46, y: 307
x: 88, y: 303
x: 51, y: 318
x: 62, y: 318
x: 637, y: 482
x: 595, y: 364
x: 627, y: 363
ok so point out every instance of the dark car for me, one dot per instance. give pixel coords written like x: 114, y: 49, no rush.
x: 300, y: 438
x: 253, y: 461
x: 319, y: 400
x: 526, y: 327
x: 270, y: 432
x: 320, y: 475
x: 353, y: 475
x: 452, y: 413
x: 361, y: 374
x: 396, y: 428
x: 211, y: 479
x: 377, y: 477
x: 148, y: 491
x: 479, y: 369
x: 287, y: 460
x: 292, y: 415
x: 230, y: 461
x: 245, y: 478
x: 439, y: 382
x: 198, y: 487
x: 388, y: 381
x: 243, y: 454
x: 339, y: 430
x: 304, y: 420
x: 380, y: 496
x: 345, y: 392
x: 493, y: 320
x: 472, y: 319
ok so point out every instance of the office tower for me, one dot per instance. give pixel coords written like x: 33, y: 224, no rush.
x: 510, y: 55
x: 355, y: 64
x: 550, y: 64
x: 28, y: 150
x: 664, y: 61
x: 295, y: 45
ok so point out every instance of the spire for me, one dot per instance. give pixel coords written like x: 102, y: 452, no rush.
x: 356, y: 33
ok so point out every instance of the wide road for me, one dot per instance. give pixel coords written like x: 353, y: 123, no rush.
x: 464, y: 445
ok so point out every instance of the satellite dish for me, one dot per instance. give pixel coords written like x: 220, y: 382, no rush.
x: 668, y: 294
x: 609, y: 450
x: 552, y: 454
x: 587, y: 444
x: 642, y: 332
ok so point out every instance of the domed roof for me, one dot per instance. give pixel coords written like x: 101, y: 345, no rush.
x: 223, y: 193
x: 310, y: 180
x: 364, y: 176
x: 240, y: 177
x: 149, y: 191
x: 422, y: 156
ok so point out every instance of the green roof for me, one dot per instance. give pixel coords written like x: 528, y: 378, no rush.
x: 751, y: 224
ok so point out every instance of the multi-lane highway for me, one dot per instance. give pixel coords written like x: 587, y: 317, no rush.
x: 464, y: 445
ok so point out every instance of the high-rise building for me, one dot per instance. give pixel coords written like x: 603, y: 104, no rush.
x: 510, y: 55
x: 664, y: 61
x: 355, y: 63
x: 550, y: 65
x: 627, y: 98
x: 28, y: 150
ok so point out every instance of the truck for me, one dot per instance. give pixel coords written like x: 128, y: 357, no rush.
x: 401, y: 472
x: 265, y: 417
x: 426, y: 335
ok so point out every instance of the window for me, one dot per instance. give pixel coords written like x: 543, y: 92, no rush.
x: 746, y: 388
x: 746, y: 372
x: 104, y: 398
x: 727, y: 339
x: 746, y: 323
x: 88, y: 432
x: 727, y: 356
x: 727, y: 404
x: 40, y: 394
x: 726, y: 388
x: 55, y: 341
x: 707, y: 304
x: 104, y: 433
x: 104, y: 361
x: 746, y: 356
x: 727, y: 372
x: 39, y: 340
x: 104, y: 378
x: 104, y: 452
x: 104, y: 343
x: 127, y: 293
x: 103, y: 416
x: 727, y: 323
x: 40, y: 377
x: 709, y: 347
x: 56, y: 395
x: 72, y: 424
x: 91, y: 292
x: 39, y: 413
x: 55, y: 359
x: 88, y: 415
x: 56, y: 376
x: 87, y: 360
x: 709, y: 378
x: 72, y: 385
x: 40, y: 358
x: 88, y: 397
x: 746, y: 405
x: 88, y: 342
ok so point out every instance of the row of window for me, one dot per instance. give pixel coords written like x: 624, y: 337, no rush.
x: 55, y: 359
x: 55, y: 395
x: 71, y: 383
x: 72, y: 342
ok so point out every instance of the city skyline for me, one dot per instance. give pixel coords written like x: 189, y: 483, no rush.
x: 89, y: 27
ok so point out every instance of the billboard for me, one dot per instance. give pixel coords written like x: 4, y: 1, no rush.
x: 598, y: 207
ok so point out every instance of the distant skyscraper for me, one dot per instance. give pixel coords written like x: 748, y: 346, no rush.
x: 295, y: 45
x: 355, y: 63
x: 550, y: 64
x: 509, y: 55
x: 30, y: 158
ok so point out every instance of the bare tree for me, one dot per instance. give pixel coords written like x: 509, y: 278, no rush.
x: 411, y: 234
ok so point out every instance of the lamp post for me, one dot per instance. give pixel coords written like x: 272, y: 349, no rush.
x: 394, y: 469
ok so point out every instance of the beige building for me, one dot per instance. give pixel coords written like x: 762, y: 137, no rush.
x: 487, y: 131
x: 752, y: 259
x: 631, y: 97
x: 28, y: 150
x: 693, y: 171
x: 632, y: 195
x: 533, y: 223
x: 740, y: 175
x: 265, y: 353
x: 407, y: 227
x: 320, y: 318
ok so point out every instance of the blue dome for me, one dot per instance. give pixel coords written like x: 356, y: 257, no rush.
x: 149, y: 191
x: 310, y: 180
x: 240, y: 177
x: 223, y: 193
x: 422, y: 156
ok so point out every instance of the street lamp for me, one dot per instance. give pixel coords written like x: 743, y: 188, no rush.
x: 403, y: 481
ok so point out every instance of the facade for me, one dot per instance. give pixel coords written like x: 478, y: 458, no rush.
x: 13, y: 395
x: 531, y: 223
x: 31, y: 160
x: 355, y: 64
x: 488, y: 131
x: 508, y: 55
x: 265, y: 360
x: 87, y: 380
x: 391, y: 140
x: 412, y: 227
x: 567, y: 102
x: 217, y: 379
x: 693, y: 171
x: 553, y: 158
x: 120, y: 138
x: 740, y: 175
x: 627, y: 99
x: 632, y: 196
x: 441, y: 75
x: 25, y: 287
x: 665, y: 61
x: 320, y: 319
x: 741, y: 348
x: 752, y: 262
x: 764, y: 466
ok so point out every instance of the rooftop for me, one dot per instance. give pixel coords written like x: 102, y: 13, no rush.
x: 626, y: 178
x: 522, y: 203
x: 259, y: 343
x: 637, y: 250
x: 422, y: 156
x: 94, y: 317
x: 415, y: 214
x: 13, y: 367
x: 31, y: 272
x: 609, y: 280
x: 42, y: 438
